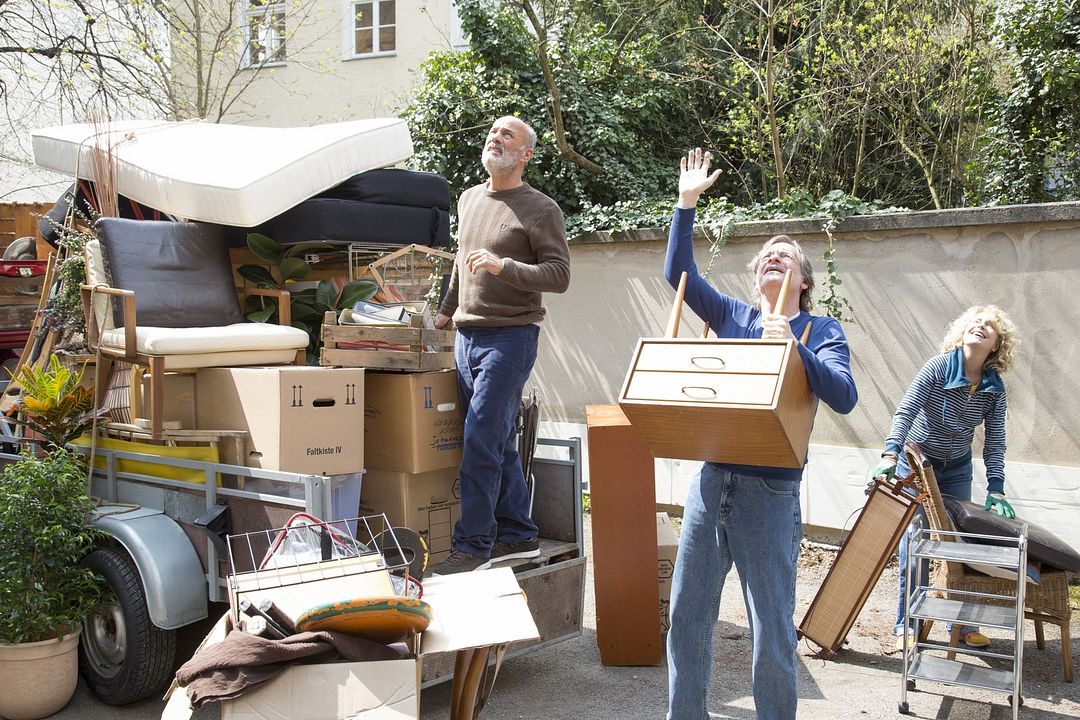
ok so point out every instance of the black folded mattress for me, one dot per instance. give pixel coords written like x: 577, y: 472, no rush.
x: 394, y: 186
x: 345, y: 221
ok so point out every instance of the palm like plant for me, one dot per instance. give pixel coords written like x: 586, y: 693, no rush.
x: 55, y: 404
x: 286, y: 265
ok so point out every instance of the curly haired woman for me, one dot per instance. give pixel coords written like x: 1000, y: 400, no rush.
x: 954, y: 393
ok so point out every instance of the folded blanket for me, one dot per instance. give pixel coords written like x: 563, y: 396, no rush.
x: 243, y: 661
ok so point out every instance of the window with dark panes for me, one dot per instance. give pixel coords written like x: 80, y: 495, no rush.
x: 266, y: 32
x: 374, y: 27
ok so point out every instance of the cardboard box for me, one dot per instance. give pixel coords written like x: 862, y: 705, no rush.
x: 298, y: 419
x: 429, y: 503
x: 470, y: 610
x: 412, y: 421
x: 667, y: 549
x: 179, y: 391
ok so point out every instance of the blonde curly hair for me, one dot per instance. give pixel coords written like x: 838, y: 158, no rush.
x: 1003, y: 356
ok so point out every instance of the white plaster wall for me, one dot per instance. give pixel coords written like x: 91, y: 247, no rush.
x: 905, y: 286
x: 318, y: 84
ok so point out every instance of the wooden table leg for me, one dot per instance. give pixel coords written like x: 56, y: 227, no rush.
x: 467, y: 684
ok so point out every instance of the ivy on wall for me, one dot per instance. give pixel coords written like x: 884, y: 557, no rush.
x: 717, y: 218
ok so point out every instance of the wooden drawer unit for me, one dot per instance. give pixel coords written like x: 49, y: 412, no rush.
x: 732, y: 401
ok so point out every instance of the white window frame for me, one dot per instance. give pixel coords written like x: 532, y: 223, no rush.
x: 349, y: 29
x: 458, y: 40
x: 269, y: 9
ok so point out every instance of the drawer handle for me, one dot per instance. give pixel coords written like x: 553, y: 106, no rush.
x: 699, y: 392
x: 708, y: 362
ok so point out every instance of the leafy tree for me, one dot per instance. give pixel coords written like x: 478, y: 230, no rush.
x: 1033, y: 152
x: 601, y: 94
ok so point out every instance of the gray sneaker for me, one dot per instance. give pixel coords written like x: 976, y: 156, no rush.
x: 505, y: 551
x: 459, y: 561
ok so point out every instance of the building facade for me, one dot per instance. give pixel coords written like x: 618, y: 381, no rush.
x: 333, y: 60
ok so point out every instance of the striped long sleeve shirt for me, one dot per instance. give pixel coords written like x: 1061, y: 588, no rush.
x: 940, y: 413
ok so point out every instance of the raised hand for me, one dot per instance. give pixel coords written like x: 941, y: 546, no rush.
x: 694, y: 177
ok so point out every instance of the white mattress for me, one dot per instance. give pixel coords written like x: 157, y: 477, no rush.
x: 229, y: 174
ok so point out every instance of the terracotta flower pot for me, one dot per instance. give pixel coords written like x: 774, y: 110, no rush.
x: 38, y: 678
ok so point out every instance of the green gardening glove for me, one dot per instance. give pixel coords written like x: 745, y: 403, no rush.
x: 995, y: 502
x: 886, y: 468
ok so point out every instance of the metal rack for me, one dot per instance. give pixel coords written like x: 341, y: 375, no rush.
x: 926, y: 604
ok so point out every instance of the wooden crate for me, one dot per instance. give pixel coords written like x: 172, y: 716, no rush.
x: 745, y: 402
x: 389, y: 347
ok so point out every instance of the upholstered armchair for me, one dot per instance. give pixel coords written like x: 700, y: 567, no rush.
x: 161, y: 296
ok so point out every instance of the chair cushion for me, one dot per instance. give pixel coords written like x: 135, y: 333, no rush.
x: 180, y: 272
x: 97, y: 275
x: 1043, y: 545
x: 240, y: 337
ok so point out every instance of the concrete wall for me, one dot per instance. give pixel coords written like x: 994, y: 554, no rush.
x: 907, y: 276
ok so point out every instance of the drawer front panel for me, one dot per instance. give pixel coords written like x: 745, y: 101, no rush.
x: 717, y: 388
x: 711, y: 357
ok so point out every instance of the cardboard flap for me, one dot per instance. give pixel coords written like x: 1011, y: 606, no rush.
x: 476, y: 609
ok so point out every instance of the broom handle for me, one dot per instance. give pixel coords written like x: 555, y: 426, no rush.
x: 781, y: 299
x: 676, y: 309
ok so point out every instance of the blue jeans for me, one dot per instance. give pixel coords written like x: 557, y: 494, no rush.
x: 953, y: 478
x: 493, y: 365
x: 756, y: 524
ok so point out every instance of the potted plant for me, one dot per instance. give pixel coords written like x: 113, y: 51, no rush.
x: 285, y: 266
x: 44, y: 531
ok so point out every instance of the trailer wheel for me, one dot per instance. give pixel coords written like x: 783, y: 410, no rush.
x: 123, y: 656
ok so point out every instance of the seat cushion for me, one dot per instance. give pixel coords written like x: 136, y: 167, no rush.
x: 180, y: 272
x: 1043, y: 545
x: 237, y: 338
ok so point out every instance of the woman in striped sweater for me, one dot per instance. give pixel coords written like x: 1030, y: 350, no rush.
x: 954, y: 393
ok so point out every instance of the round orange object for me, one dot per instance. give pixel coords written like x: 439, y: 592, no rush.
x: 382, y: 619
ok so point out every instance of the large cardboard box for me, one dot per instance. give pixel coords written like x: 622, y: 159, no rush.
x: 429, y: 503
x: 179, y: 396
x: 469, y: 610
x: 413, y: 421
x: 298, y: 419
x: 667, y: 549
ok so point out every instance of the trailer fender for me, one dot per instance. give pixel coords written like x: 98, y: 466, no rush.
x: 169, y: 568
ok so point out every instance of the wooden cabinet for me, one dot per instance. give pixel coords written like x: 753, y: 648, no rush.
x: 622, y: 495
x: 732, y: 401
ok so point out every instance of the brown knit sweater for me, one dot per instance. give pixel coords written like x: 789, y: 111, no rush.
x: 525, y: 228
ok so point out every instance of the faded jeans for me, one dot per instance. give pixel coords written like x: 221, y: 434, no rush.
x: 493, y: 365
x: 953, y: 478
x: 756, y: 524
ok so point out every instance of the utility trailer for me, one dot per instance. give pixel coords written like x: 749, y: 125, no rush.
x: 165, y: 557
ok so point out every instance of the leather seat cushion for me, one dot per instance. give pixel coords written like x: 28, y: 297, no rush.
x: 180, y: 272
x: 1043, y: 545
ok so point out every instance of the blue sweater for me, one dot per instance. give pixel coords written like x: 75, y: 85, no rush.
x: 940, y: 413
x: 825, y: 354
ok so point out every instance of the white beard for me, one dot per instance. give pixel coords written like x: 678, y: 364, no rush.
x: 500, y: 164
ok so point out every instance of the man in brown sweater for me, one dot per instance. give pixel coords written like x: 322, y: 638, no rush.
x: 511, y: 248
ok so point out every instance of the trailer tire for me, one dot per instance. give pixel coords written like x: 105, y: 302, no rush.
x: 123, y: 656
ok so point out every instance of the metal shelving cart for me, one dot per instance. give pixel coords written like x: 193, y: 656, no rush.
x: 927, y: 604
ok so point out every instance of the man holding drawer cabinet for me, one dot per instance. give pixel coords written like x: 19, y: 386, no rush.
x: 745, y: 515
x: 511, y: 248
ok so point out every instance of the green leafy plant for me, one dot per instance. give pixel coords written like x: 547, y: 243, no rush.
x: 55, y: 404
x: 287, y: 267
x: 717, y: 217
x: 45, y: 530
x: 63, y: 312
